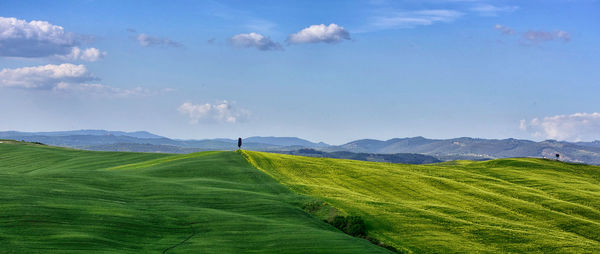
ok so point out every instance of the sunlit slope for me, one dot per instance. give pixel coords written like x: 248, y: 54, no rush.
x: 58, y: 200
x: 508, y: 205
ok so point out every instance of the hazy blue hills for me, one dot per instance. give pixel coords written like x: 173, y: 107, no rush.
x: 273, y: 141
x: 364, y: 149
x: 591, y: 144
x: 135, y: 134
x: 474, y: 148
x: 147, y: 142
x: 102, y: 138
x: 285, y: 141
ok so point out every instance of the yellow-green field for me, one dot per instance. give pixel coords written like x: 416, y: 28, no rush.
x: 507, y: 205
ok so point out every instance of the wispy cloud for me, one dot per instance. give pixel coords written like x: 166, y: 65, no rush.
x: 534, y: 36
x: 146, y: 40
x: 410, y: 19
x: 222, y: 112
x: 574, y: 127
x: 492, y: 10
x: 332, y: 33
x: 245, y: 19
x: 504, y: 29
x: 260, y: 25
x: 108, y: 91
x: 254, y: 40
x: 35, y: 39
x: 387, y: 14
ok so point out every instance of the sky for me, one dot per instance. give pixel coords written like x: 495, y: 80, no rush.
x: 331, y: 71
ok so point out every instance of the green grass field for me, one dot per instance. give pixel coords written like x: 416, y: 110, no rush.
x: 64, y: 200
x: 507, y: 205
x: 57, y: 200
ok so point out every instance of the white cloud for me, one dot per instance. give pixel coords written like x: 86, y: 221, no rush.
x: 147, y: 41
x: 92, y: 54
x: 491, y: 10
x: 63, y: 78
x: 409, y: 19
x: 254, y: 40
x: 574, y: 127
x: 504, y: 29
x: 89, y: 54
x: 44, y: 77
x: 223, y: 112
x: 19, y: 38
x: 543, y: 36
x: 320, y: 33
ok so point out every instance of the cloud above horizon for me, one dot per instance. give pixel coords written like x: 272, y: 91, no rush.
x: 152, y: 41
x: 45, y: 77
x: 63, y: 78
x: 36, y: 39
x: 89, y: 54
x: 222, y: 112
x: 254, y: 40
x: 543, y: 36
x: 332, y: 33
x: 492, y: 10
x: 536, y: 36
x: 574, y: 127
x: 504, y: 29
x: 410, y: 19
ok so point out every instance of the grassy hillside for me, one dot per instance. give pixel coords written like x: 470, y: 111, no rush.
x: 507, y: 205
x: 71, y: 201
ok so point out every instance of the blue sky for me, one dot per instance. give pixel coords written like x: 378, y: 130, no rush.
x: 330, y: 71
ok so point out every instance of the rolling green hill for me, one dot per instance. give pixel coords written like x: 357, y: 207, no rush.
x: 72, y: 201
x: 505, y: 205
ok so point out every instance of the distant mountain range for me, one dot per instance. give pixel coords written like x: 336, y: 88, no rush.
x: 135, y: 134
x: 285, y: 141
x: 133, y: 141
x: 475, y: 148
x: 364, y: 149
x: 592, y: 144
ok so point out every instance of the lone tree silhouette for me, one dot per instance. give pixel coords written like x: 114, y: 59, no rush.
x: 239, y: 143
x: 557, y: 156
